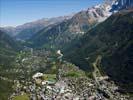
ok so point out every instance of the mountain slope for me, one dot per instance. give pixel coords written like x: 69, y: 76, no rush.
x: 8, y: 51
x: 64, y: 32
x: 8, y: 48
x: 26, y: 30
x: 113, y: 39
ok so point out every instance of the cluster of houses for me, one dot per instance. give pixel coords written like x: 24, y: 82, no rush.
x: 42, y: 79
x: 44, y: 88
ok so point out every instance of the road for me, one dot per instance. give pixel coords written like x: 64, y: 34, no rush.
x: 96, y: 74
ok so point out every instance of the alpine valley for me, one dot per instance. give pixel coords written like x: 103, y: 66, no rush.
x: 86, y: 55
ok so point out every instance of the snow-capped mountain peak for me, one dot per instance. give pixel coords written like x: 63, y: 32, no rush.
x: 122, y: 4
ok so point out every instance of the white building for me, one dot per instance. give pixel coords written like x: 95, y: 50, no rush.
x: 37, y: 75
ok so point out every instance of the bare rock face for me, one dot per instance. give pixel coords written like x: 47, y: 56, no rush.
x: 80, y: 22
x: 63, y: 33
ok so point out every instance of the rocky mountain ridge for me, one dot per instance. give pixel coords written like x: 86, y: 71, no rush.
x: 26, y: 30
x: 62, y: 33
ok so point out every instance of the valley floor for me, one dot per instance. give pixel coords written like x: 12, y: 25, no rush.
x: 44, y: 76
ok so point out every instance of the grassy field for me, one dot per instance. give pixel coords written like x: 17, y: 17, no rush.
x: 49, y: 77
x: 74, y: 74
x: 21, y: 97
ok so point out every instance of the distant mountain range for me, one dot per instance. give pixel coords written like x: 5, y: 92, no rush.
x: 88, y: 18
x: 57, y: 36
x: 63, y: 33
x: 26, y: 30
x: 78, y: 23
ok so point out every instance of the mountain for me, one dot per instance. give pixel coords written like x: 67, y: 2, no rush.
x: 122, y: 4
x: 26, y: 30
x: 8, y: 48
x: 8, y: 51
x: 63, y: 33
x: 9, y: 30
x: 113, y: 40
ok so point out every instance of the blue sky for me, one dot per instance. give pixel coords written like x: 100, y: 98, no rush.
x: 17, y: 12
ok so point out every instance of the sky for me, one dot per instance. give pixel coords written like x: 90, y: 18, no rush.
x: 17, y: 12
